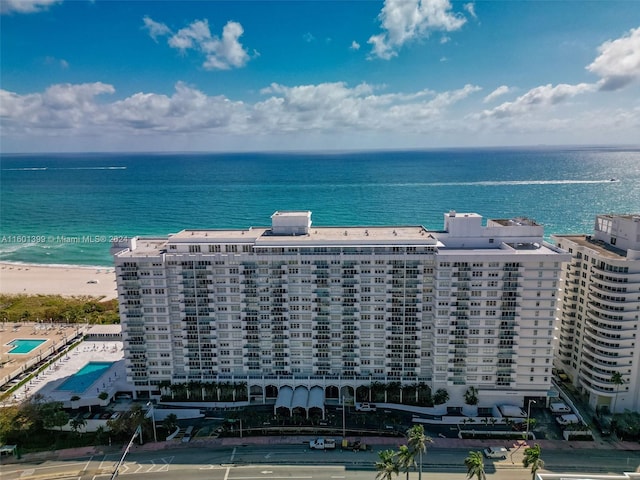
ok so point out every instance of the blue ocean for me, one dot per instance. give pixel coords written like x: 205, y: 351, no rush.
x: 65, y: 208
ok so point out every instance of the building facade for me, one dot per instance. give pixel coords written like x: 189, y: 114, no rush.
x: 341, y: 307
x: 600, y: 329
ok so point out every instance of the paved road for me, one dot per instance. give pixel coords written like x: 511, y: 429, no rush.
x: 272, y: 462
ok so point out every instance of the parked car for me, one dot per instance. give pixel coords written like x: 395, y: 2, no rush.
x: 495, y: 452
x: 604, y: 424
x: 512, y: 411
x: 559, y: 407
x: 567, y: 419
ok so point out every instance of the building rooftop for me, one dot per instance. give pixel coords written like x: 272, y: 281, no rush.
x: 294, y: 229
x: 518, y: 221
x: 602, y: 248
x: 264, y: 235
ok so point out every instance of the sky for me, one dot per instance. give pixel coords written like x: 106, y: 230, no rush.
x: 108, y: 75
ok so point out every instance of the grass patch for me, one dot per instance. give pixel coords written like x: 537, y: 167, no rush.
x: 56, y: 308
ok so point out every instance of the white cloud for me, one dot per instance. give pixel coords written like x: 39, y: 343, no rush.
x: 619, y: 61
x: 189, y: 117
x: 406, y: 20
x: 498, y: 92
x: 221, y: 53
x: 471, y: 9
x: 62, y: 63
x: 156, y: 29
x: 226, y: 52
x: 25, y: 6
x: 62, y: 106
x: 355, y: 45
x: 543, y: 96
x: 192, y: 36
x: 325, y: 107
x: 308, y: 37
x: 188, y: 109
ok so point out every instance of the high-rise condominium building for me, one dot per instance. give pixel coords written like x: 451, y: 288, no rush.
x: 340, y: 307
x: 599, y: 341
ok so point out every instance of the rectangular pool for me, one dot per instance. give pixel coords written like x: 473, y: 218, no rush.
x: 80, y: 381
x: 23, y: 346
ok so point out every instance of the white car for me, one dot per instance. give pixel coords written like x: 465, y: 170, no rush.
x: 559, y: 407
x: 567, y: 419
x: 365, y: 407
x: 495, y: 452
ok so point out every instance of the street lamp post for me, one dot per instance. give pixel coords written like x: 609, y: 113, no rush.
x: 126, y: 451
x: 529, y: 417
x: 344, y: 430
x: 153, y: 421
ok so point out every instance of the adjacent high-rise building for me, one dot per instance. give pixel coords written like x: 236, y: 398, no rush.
x: 336, y: 308
x: 599, y: 338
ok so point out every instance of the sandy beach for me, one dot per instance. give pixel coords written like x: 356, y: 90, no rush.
x: 57, y: 280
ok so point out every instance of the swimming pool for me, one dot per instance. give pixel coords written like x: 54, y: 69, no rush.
x: 23, y: 346
x: 80, y: 381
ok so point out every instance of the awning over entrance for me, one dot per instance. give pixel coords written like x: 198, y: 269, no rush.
x: 302, y: 398
x: 285, y: 395
x: 316, y: 399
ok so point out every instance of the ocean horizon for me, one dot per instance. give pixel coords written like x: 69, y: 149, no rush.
x: 65, y: 208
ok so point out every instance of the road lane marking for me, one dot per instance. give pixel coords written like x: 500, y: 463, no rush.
x: 233, y: 454
x: 226, y: 474
x: 87, y: 464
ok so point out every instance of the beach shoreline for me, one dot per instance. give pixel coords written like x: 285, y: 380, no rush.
x: 66, y: 280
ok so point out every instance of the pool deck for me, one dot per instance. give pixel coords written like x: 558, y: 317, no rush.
x: 47, y: 382
x: 56, y: 336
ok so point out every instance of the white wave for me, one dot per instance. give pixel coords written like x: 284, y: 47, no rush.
x: 14, y: 247
x: 26, y: 168
x: 66, y: 168
x: 527, y: 182
x: 483, y: 183
x: 89, y: 168
x: 12, y: 263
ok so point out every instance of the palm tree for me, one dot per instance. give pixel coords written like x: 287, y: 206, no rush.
x: 617, y: 380
x: 471, y: 396
x: 77, y: 424
x: 475, y: 466
x: 170, y: 423
x: 387, y: 465
x: 441, y: 396
x: 532, y: 459
x: 418, y: 443
x: 406, y: 459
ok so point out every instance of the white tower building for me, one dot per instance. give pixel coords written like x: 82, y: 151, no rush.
x: 600, y: 330
x: 339, y: 308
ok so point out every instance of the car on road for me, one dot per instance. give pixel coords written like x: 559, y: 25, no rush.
x: 365, y: 407
x: 495, y: 452
x: 322, y: 444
